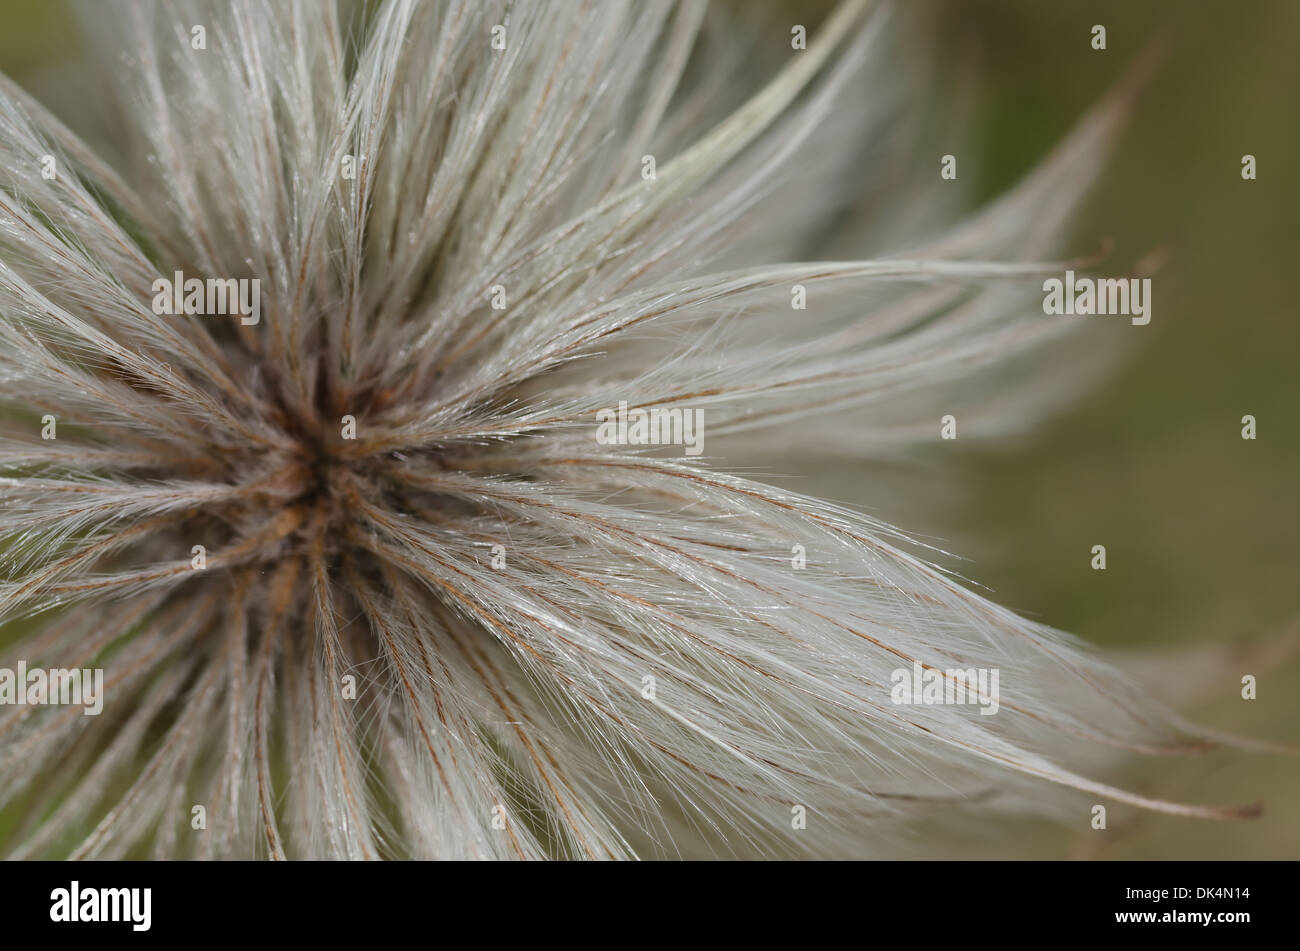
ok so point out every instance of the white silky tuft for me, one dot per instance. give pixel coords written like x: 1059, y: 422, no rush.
x: 502, y: 707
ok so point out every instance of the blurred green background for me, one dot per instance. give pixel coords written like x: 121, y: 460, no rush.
x: 1200, y: 526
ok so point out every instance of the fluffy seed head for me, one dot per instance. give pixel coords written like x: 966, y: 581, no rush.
x: 362, y: 574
